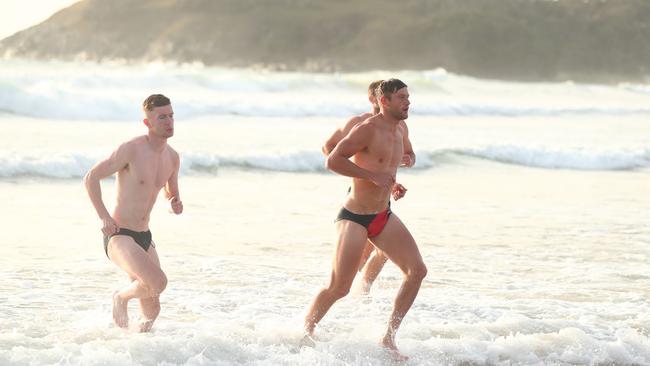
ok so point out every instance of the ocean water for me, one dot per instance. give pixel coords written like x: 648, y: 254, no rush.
x: 530, y: 203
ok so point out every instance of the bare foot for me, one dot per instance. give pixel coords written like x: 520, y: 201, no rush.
x: 307, y: 341
x: 120, y: 315
x: 146, y: 325
x: 396, y: 356
x: 389, y: 344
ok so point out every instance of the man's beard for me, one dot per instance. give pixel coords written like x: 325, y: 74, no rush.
x: 400, y: 115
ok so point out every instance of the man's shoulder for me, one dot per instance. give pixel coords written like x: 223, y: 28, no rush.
x: 136, y: 141
x: 364, y: 116
x: 173, y: 154
x: 373, y: 120
x: 358, y: 119
x: 172, y: 151
x: 130, y: 145
x: 366, y: 126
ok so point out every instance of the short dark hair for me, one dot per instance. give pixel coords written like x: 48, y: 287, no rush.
x: 155, y: 100
x: 388, y: 87
x: 372, y: 88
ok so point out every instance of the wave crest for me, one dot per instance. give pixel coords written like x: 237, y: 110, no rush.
x: 75, y: 165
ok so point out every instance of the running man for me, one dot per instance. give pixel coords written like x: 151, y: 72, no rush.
x: 144, y: 165
x: 371, y: 268
x: 370, y: 154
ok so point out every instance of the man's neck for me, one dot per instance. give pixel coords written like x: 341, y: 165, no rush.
x: 156, y: 143
x: 389, y: 120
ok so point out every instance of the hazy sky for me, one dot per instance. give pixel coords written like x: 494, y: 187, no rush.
x: 17, y: 15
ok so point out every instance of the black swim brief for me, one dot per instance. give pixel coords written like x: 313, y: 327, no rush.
x: 142, y: 238
x: 374, y: 223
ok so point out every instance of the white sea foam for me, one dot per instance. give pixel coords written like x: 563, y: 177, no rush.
x: 48, y: 166
x: 226, y: 311
x: 553, y: 158
x: 112, y: 92
x: 75, y: 165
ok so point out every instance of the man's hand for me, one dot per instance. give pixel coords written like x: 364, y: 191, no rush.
x: 176, y: 206
x: 383, y: 179
x: 109, y: 226
x: 398, y: 191
x: 407, y: 162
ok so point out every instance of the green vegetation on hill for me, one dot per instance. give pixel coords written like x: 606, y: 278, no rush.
x: 602, y: 40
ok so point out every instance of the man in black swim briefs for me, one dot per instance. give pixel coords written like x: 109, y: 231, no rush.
x: 144, y: 165
x: 370, y: 154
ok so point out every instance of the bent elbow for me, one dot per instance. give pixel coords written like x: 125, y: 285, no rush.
x: 88, y: 179
x: 330, y: 162
x: 325, y: 150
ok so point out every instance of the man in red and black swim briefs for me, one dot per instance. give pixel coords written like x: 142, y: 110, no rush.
x: 371, y: 264
x: 370, y: 154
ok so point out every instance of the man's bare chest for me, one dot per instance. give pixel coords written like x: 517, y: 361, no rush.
x: 386, y: 148
x: 150, y: 172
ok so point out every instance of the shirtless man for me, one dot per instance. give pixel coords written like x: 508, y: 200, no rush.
x: 144, y: 165
x: 373, y: 266
x: 370, y: 155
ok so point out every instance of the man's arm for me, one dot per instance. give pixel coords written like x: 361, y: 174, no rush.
x: 408, y: 160
x: 330, y: 144
x: 339, y: 162
x: 340, y: 133
x: 171, y: 188
x: 118, y: 160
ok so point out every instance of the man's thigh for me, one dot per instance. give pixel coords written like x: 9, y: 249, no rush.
x: 351, y: 240
x: 397, y: 243
x: 153, y: 254
x: 130, y: 257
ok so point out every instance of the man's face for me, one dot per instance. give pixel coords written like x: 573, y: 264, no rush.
x: 398, y: 105
x: 161, y: 121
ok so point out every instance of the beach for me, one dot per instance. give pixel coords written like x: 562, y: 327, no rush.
x: 529, y: 203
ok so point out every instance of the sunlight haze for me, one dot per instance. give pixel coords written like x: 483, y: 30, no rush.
x: 16, y: 15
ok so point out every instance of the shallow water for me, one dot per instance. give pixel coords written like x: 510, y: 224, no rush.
x: 528, y: 266
x: 531, y: 217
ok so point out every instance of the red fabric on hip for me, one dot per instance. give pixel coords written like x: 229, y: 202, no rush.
x: 378, y: 223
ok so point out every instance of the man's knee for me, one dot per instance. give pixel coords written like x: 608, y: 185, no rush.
x: 339, y: 291
x: 418, y: 272
x: 159, y: 284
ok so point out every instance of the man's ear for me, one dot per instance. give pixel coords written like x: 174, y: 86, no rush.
x: 146, y: 122
x: 383, y: 100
